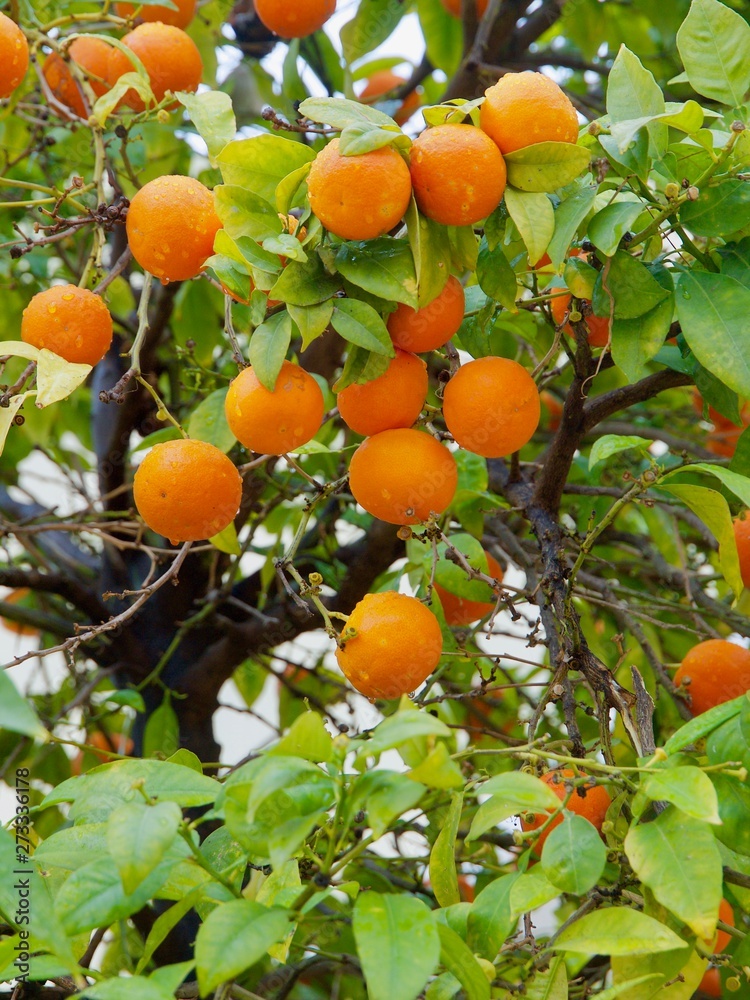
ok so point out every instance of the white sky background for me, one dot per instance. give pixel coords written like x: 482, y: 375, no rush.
x: 240, y: 733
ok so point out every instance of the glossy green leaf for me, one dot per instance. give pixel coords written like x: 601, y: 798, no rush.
x: 244, y: 213
x: 56, y: 378
x: 697, y: 729
x: 569, y: 215
x: 372, y: 24
x: 718, y: 210
x: 431, y: 250
x: 632, y: 91
x: 308, y: 738
x: 546, y: 166
x: 443, y: 872
x: 208, y: 422
x: 262, y: 162
x: 138, y: 837
x: 610, y: 224
x: 617, y: 930
x: 305, y: 284
x: 311, y: 321
x: 397, y: 943
x: 124, y: 989
x: 358, y: 323
x: 383, y: 267
x: 637, y: 341
x: 613, y: 444
x: 233, y: 938
x: 530, y: 890
x: 490, y: 917
x: 714, y: 44
x: 574, y: 855
x: 552, y: 984
x: 340, y: 113
x: 458, y: 959
x: 438, y: 770
x: 268, y: 347
x: 631, y: 285
x: 534, y: 218
x: 213, y: 116
x: 16, y: 713
x: 676, y: 856
x: 688, y: 788
x: 400, y: 728
x: 495, y: 275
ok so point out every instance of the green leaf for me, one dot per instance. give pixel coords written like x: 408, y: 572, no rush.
x: 550, y: 985
x: 431, y: 250
x: 308, y: 738
x: 687, y: 117
x: 718, y: 211
x: 397, y: 943
x: 244, y: 213
x: 16, y: 713
x: 233, y: 938
x: 713, y: 509
x: 490, y: 917
x: 56, y: 378
x: 311, y: 321
x: 734, y: 810
x: 453, y: 577
x: 524, y: 791
x: 400, y: 728
x: 261, y: 163
x: 574, y: 855
x: 8, y: 413
x: 268, y: 346
x: 124, y: 989
x: 162, y: 735
x: 363, y: 138
x: 340, y: 113
x: 438, y: 770
x: 534, y: 218
x: 632, y: 286
x: 458, y: 959
x: 569, y: 215
x: 443, y: 873
x: 688, y: 788
x: 617, y: 930
x: 305, y: 284
x: 213, y: 116
x: 734, y: 482
x: 358, y: 323
x: 360, y: 367
x: 677, y: 858
x: 697, y: 729
x: 531, y: 890
x: 385, y: 795
x: 714, y: 44
x: 669, y: 974
x: 632, y: 91
x: 227, y: 541
x: 613, y: 444
x: 372, y: 23
x: 495, y: 275
x: 609, y: 225
x: 383, y: 267
x: 546, y: 166
x: 637, y: 341
x: 442, y: 34
x: 208, y: 422
x: 138, y: 837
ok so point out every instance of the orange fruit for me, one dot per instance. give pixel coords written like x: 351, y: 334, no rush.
x: 171, y: 226
x: 274, y: 423
x: 718, y: 671
x: 397, y: 645
x: 92, y: 55
x: 393, y: 399
x: 593, y: 806
x: 169, y: 56
x: 454, y: 7
x: 14, y: 56
x: 457, y: 173
x: 522, y: 109
x: 106, y: 744
x: 431, y: 327
x: 187, y: 490
x: 359, y: 197
x: 554, y: 408
x: 402, y: 476
x: 294, y: 20
x: 491, y: 407
x: 598, y: 326
x: 73, y: 322
x: 18, y: 596
x: 461, y: 610
x: 742, y: 538
x: 722, y: 938
x: 179, y: 18
x: 380, y: 84
x: 710, y: 985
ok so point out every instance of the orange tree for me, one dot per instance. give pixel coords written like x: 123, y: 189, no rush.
x: 533, y: 297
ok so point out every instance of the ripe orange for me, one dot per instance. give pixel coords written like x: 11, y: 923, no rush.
x: 454, y: 7
x: 171, y: 226
x: 397, y: 645
x: 431, y: 327
x: 169, y: 56
x: 457, y: 173
x: 359, y: 197
x: 742, y: 538
x: 598, y: 326
x: 554, y: 408
x: 18, y: 596
x: 718, y: 671
x: 70, y: 321
x: 491, y: 407
x: 402, y: 476
x: 92, y: 55
x: 274, y: 423
x: 179, y: 18
x: 187, y: 490
x: 522, y: 109
x: 394, y: 399
x: 380, y: 84
x: 461, y: 610
x: 14, y: 56
x: 294, y: 20
x: 710, y: 985
x: 593, y: 806
x: 722, y: 938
